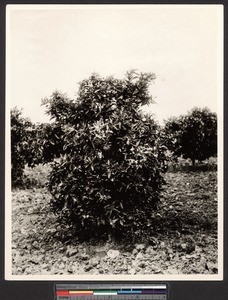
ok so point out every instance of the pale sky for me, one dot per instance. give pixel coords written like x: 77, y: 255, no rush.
x: 53, y: 47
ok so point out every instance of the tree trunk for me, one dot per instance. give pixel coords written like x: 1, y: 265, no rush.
x: 193, y: 162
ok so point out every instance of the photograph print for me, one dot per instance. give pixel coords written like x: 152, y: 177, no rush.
x: 114, y: 137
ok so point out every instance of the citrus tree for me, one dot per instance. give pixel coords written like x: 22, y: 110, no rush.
x: 193, y: 136
x: 109, y: 176
x: 20, y: 135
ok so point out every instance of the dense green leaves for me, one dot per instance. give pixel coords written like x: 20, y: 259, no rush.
x: 108, y: 176
x: 193, y: 136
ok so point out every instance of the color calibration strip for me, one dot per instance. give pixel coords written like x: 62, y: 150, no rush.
x: 155, y: 292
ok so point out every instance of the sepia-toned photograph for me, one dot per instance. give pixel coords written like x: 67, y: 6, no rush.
x: 114, y: 138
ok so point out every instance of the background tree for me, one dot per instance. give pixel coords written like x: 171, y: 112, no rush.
x: 193, y: 136
x: 109, y: 175
x: 20, y: 127
x: 32, y: 144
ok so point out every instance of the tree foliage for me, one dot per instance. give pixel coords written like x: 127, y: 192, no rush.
x: 109, y: 174
x: 20, y: 133
x: 48, y: 142
x: 32, y: 144
x: 193, y: 136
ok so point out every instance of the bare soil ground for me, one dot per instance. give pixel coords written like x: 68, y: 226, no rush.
x: 183, y: 234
